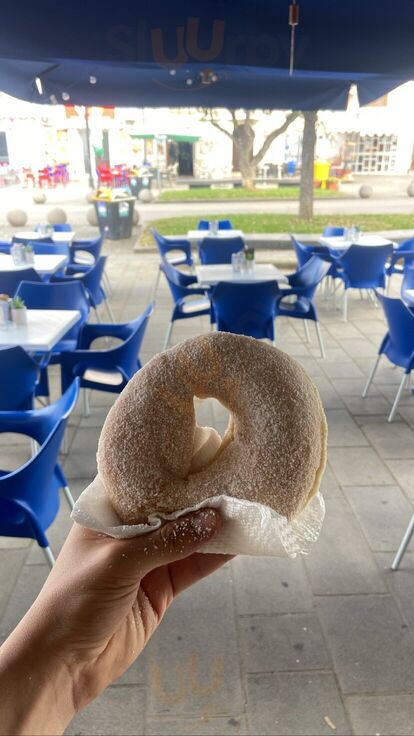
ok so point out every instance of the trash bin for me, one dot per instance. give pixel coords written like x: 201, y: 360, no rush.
x: 137, y: 183
x: 115, y: 217
x: 321, y: 172
x: 291, y: 168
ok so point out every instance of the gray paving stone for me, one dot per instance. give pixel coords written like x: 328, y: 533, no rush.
x: 81, y: 462
x: 355, y: 466
x: 27, y: 588
x: 369, y: 405
x: 336, y: 370
x: 371, y: 651
x: 329, y: 485
x: 271, y: 585
x: 392, y: 440
x: 383, y: 512
x: 342, y: 430
x: 295, y: 704
x: 360, y: 348
x: 340, y: 561
x: 11, y: 562
x: 400, y: 582
x: 348, y: 387
x: 203, y: 726
x: 283, y: 643
x: 388, y: 715
x: 330, y: 397
x: 403, y: 470
x: 119, y: 711
x: 193, y: 661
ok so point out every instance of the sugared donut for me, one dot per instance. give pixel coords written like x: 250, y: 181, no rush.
x: 153, y: 457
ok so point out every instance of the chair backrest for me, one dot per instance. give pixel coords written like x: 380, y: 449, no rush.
x: 245, y: 309
x: 127, y: 354
x: 5, y: 247
x: 400, y: 321
x: 310, y: 275
x: 64, y: 295
x: 18, y: 376
x: 29, y: 496
x: 217, y: 250
x: 408, y: 283
x: 330, y: 231
x: 92, y: 280
x: 302, y: 253
x: 93, y: 247
x: 222, y: 225
x: 178, y: 282
x: 26, y: 241
x: 49, y: 249
x: 366, y: 264
x: 11, y: 280
x: 63, y: 228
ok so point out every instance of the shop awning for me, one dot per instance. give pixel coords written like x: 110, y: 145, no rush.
x: 168, y: 136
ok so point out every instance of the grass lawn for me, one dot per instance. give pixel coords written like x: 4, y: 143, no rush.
x: 257, y: 223
x: 205, y: 194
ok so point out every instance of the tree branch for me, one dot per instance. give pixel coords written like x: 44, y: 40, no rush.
x: 219, y: 127
x: 272, y: 136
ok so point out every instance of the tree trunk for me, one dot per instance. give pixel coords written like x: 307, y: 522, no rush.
x: 308, y: 157
x: 243, y: 137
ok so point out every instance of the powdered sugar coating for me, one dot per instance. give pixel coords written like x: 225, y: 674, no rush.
x: 274, y: 451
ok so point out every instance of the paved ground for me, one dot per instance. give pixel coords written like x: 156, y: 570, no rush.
x: 316, y: 645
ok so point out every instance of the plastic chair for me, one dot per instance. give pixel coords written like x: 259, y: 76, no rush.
x: 303, y: 285
x: 63, y: 228
x: 330, y: 231
x: 246, y: 309
x: 407, y: 285
x: 5, y: 247
x: 105, y: 370
x: 403, y: 252
x: 84, y: 253
x: 29, y: 496
x: 70, y: 295
x: 397, y: 345
x: 27, y: 241
x: 39, y: 423
x: 215, y: 250
x: 222, y: 225
x: 40, y: 248
x: 11, y: 280
x: 180, y: 288
x: 19, y: 375
x: 362, y: 267
x: 92, y: 281
x: 166, y: 246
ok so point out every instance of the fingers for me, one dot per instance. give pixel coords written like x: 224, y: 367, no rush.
x: 179, y: 539
x: 186, y: 572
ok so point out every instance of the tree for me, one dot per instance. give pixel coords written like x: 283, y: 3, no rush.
x: 308, y: 157
x: 242, y: 135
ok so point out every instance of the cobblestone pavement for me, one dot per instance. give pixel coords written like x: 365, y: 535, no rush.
x: 316, y: 645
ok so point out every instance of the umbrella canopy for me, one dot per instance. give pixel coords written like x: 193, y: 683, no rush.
x: 234, y: 53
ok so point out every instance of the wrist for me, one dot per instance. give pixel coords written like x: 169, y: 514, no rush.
x: 36, y: 686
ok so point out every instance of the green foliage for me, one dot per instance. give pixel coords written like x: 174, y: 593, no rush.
x: 223, y: 194
x: 17, y: 303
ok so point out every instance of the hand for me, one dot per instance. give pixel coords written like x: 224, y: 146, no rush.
x: 99, y: 606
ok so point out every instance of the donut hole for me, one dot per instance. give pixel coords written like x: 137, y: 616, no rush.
x: 211, y: 413
x: 208, y: 438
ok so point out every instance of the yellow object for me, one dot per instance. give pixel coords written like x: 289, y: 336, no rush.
x: 321, y: 171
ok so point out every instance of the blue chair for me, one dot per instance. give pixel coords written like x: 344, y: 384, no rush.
x: 303, y: 285
x: 5, y: 247
x: 70, y: 295
x: 362, y: 267
x: 63, y: 228
x: 39, y: 423
x: 330, y: 231
x: 29, y: 496
x: 407, y: 285
x: 305, y: 252
x: 26, y: 241
x: 222, y: 225
x: 181, y: 248
x: 84, y: 253
x: 11, y: 280
x: 246, y: 309
x: 403, y: 252
x: 218, y: 250
x: 105, y: 370
x: 19, y: 375
x: 181, y: 289
x: 397, y: 345
x: 92, y: 281
x: 40, y: 248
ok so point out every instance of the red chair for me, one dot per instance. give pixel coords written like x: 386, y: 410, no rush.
x: 104, y: 174
x: 45, y: 177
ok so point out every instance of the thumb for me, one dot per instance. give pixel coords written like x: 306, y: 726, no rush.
x: 178, y: 539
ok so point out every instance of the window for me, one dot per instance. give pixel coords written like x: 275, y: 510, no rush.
x: 371, y: 153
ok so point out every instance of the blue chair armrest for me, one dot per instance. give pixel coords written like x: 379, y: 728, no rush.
x: 91, y: 332
x: 75, y: 363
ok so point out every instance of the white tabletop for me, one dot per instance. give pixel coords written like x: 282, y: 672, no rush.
x: 221, y: 234
x: 340, y: 243
x: 66, y: 237
x: 47, y: 265
x: 44, y: 329
x: 211, y: 275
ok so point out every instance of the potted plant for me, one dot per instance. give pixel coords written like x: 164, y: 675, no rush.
x: 29, y: 253
x: 19, y: 311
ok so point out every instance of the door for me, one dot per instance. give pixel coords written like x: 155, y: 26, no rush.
x: 185, y: 158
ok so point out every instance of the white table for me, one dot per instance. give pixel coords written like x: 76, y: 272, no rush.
x: 340, y: 243
x: 194, y: 236
x: 44, y: 329
x: 45, y: 265
x: 66, y: 237
x: 211, y: 275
